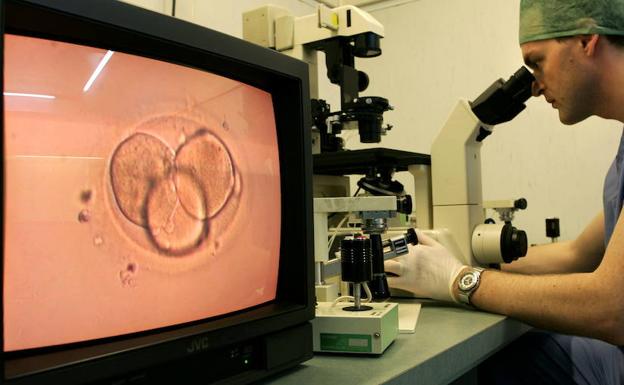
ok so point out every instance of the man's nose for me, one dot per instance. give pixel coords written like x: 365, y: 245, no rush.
x: 536, y: 88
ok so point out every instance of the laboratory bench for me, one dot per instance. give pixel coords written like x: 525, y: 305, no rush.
x: 448, y: 344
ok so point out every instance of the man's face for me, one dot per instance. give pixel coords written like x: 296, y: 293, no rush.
x: 563, y: 76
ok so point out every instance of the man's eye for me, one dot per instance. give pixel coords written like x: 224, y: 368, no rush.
x: 535, y: 63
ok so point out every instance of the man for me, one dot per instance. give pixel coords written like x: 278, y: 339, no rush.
x: 576, y: 51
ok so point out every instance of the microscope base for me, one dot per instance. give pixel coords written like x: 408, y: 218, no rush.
x: 367, y: 332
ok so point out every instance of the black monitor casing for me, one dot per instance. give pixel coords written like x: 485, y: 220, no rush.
x: 269, y: 337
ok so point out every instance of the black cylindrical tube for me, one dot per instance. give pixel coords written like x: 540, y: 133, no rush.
x: 377, y: 253
x: 356, y: 260
x: 379, y: 284
x: 369, y: 126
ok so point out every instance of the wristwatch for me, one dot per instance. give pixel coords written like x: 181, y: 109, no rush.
x: 468, y: 283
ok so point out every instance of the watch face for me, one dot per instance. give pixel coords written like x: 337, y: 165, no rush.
x: 468, y: 281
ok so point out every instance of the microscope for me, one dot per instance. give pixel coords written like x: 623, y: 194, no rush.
x: 458, y: 209
x: 447, y: 201
x: 343, y: 34
x: 355, y: 326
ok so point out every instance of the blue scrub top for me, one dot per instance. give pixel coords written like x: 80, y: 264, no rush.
x: 613, y: 193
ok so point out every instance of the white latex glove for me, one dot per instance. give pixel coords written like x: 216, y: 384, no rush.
x: 428, y: 270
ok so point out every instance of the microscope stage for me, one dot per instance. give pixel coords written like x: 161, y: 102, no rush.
x: 358, y: 162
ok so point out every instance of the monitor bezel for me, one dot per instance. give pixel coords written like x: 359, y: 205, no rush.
x: 122, y: 27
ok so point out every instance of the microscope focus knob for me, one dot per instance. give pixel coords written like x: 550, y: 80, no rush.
x: 411, y: 237
x: 404, y: 204
x: 363, y: 81
x: 513, y: 243
x: 520, y: 204
x: 498, y: 243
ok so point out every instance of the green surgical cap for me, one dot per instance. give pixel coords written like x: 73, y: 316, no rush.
x: 547, y: 19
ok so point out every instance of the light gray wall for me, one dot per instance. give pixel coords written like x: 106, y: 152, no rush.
x: 226, y: 17
x: 223, y: 16
x: 437, y: 51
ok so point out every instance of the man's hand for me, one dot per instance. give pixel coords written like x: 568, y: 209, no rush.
x: 428, y: 270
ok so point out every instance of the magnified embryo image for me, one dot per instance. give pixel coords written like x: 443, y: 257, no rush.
x: 148, y: 199
x: 172, y: 193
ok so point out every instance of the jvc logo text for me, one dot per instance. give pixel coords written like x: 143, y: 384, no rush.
x: 198, y: 344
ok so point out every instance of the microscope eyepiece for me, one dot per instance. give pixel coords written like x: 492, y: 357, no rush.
x: 519, y: 85
x: 503, y: 101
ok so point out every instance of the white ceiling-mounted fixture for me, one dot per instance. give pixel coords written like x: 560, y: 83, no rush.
x: 367, y: 5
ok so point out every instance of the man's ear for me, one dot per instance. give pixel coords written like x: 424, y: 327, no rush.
x: 590, y: 43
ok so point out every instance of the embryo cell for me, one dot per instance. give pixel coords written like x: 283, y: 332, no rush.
x: 205, y: 158
x: 137, y: 164
x: 173, y: 231
x: 172, y: 194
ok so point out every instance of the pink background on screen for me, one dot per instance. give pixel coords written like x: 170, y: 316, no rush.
x: 75, y: 268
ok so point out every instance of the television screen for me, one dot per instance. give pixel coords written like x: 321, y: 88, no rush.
x: 132, y: 186
x: 156, y: 181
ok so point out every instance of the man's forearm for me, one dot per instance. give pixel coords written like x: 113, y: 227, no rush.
x: 563, y: 303
x: 553, y: 258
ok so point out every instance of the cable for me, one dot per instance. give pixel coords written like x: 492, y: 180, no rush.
x: 333, y: 237
x: 369, y: 295
x: 344, y: 298
x: 173, y: 8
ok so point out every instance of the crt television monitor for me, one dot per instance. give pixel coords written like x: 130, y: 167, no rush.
x: 157, y: 205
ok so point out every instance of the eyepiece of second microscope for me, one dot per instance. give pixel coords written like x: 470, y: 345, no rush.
x: 519, y: 85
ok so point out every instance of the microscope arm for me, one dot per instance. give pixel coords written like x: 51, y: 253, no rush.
x: 456, y: 178
x: 456, y: 173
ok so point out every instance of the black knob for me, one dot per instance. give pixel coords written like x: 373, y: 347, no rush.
x: 356, y: 260
x: 552, y: 227
x: 520, y: 204
x: 363, y: 81
x: 489, y: 221
x: 411, y: 237
x: 404, y: 204
x: 513, y: 243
